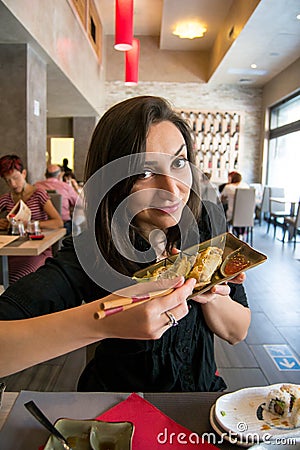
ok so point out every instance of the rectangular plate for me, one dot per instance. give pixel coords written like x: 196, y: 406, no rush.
x: 226, y: 241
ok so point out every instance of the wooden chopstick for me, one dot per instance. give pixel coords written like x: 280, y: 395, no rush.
x: 119, y: 304
x: 108, y: 312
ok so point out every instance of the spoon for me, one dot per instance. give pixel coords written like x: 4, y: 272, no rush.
x: 39, y: 415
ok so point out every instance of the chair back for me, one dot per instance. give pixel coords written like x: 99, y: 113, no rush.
x: 297, y: 219
x: 265, y: 207
x: 276, y: 207
x: 243, y: 208
x: 56, y: 199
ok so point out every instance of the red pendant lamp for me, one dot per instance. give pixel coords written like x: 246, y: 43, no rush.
x: 124, y: 25
x: 132, y: 63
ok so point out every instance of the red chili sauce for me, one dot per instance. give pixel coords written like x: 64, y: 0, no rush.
x: 235, y: 264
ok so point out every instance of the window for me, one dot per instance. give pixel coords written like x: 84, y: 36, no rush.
x: 284, y: 146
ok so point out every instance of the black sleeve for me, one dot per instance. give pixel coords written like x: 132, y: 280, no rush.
x: 238, y: 294
x: 60, y: 284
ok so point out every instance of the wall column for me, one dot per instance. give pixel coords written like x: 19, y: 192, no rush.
x: 23, y: 94
x: 83, y: 128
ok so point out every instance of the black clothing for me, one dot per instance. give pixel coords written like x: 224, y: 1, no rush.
x: 181, y: 360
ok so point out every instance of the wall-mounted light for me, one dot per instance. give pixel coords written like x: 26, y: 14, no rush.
x: 123, y: 25
x: 190, y: 30
x: 132, y: 63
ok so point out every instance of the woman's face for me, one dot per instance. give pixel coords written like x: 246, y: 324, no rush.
x: 163, y: 188
x: 16, y: 180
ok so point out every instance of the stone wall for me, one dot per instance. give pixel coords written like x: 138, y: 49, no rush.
x: 246, y: 101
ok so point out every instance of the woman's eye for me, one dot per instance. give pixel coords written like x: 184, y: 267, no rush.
x: 145, y: 174
x: 180, y: 163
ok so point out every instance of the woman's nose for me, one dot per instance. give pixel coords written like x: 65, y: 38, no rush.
x: 169, y: 184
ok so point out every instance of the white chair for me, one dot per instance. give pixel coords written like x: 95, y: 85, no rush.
x: 243, y: 211
x: 292, y: 225
x: 277, y: 210
x: 262, y: 210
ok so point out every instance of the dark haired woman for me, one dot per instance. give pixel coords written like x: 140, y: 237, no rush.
x: 14, y: 174
x: 141, y: 205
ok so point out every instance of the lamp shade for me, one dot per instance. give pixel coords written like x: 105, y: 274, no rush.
x: 124, y: 25
x: 132, y: 63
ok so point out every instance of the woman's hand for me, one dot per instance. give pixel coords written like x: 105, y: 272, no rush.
x: 149, y: 320
x: 219, y: 289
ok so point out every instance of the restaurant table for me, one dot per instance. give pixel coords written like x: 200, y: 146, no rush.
x: 21, y: 431
x: 23, y: 246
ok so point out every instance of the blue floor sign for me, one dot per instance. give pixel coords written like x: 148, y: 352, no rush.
x: 283, y: 357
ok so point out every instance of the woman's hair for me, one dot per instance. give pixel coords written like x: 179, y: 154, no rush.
x: 9, y: 163
x: 236, y: 177
x: 123, y: 131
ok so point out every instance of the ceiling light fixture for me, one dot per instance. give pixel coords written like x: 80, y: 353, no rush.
x: 132, y: 64
x: 190, y: 30
x: 123, y: 25
x: 253, y: 66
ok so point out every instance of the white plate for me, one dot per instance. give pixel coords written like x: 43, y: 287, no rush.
x: 241, y: 412
x: 224, y: 435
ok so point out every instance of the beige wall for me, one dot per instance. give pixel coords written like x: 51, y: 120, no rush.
x: 65, y: 42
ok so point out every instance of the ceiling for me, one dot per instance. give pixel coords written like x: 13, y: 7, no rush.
x: 270, y: 39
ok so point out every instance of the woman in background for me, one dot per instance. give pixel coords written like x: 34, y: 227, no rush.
x: 14, y: 174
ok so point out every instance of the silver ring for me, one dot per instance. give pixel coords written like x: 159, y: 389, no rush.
x: 172, y: 321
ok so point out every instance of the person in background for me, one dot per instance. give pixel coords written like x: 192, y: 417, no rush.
x: 221, y: 186
x: 13, y: 172
x: 228, y: 195
x: 65, y: 167
x: 142, y: 204
x: 70, y: 179
x: 68, y: 194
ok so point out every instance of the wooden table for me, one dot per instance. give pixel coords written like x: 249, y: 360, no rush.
x: 26, y: 247
x: 21, y: 432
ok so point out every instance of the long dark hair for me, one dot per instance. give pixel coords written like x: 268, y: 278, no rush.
x: 123, y: 131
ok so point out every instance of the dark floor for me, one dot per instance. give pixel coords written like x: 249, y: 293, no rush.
x: 273, y: 290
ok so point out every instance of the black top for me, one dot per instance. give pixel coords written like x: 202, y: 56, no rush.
x: 181, y: 360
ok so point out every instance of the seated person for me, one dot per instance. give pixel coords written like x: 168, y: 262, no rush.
x: 68, y: 195
x: 14, y: 174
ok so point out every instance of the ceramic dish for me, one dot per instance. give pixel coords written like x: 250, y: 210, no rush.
x: 242, y: 412
x: 234, y: 251
x: 225, y: 435
x: 93, y: 435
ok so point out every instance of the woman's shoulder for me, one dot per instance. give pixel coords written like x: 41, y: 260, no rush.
x: 40, y: 194
x: 5, y: 199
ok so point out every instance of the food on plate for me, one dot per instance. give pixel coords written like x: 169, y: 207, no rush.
x: 235, y: 262
x: 181, y: 266
x: 285, y: 402
x: 207, y: 262
x: 295, y: 414
x: 200, y: 266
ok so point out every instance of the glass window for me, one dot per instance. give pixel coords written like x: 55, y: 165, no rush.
x: 284, y: 147
x: 285, y: 113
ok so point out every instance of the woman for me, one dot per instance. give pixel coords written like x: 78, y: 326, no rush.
x: 14, y: 174
x: 141, y: 194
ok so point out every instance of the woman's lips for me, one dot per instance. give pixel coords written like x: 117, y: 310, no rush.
x: 170, y: 209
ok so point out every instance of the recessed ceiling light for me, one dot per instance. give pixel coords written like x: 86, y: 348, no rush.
x: 190, y: 30
x: 253, y: 66
x: 298, y: 17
